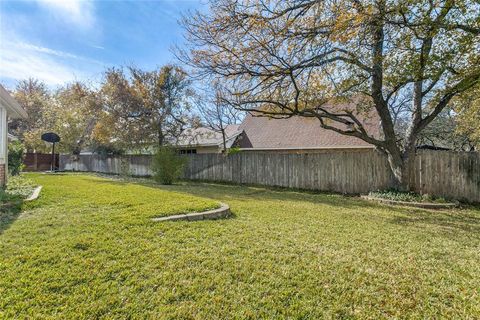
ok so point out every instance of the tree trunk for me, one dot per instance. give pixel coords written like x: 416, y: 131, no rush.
x: 76, y: 151
x: 224, y: 141
x: 402, y: 166
x: 160, y: 137
x: 86, y: 133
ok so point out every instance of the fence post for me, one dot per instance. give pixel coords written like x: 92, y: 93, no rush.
x: 453, y: 175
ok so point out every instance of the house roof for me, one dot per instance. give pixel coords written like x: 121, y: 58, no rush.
x: 207, y: 137
x: 14, y: 110
x: 305, y: 133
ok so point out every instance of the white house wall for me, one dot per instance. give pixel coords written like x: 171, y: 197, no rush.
x: 3, y: 135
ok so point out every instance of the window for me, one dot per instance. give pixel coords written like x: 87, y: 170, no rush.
x: 188, y: 151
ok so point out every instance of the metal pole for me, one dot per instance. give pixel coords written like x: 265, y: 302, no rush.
x: 53, y: 158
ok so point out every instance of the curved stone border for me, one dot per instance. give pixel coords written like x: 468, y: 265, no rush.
x: 426, y: 205
x: 222, y: 212
x: 35, y: 194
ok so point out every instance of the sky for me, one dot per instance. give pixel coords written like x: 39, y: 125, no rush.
x: 60, y: 41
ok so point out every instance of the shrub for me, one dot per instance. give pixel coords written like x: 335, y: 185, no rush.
x: 17, y: 189
x: 167, y: 165
x: 392, y: 194
x: 107, y: 150
x: 125, y: 167
x: 233, y: 150
x: 16, y: 152
x: 20, y: 186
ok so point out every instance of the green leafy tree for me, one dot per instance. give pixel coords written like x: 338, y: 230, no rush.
x: 35, y: 99
x: 292, y: 57
x: 467, y: 108
x: 73, y: 114
x: 145, y: 107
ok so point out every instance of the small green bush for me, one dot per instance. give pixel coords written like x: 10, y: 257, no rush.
x: 233, y: 150
x: 16, y: 152
x: 6, y: 197
x: 17, y: 189
x: 396, y: 195
x: 125, y: 167
x: 167, y: 165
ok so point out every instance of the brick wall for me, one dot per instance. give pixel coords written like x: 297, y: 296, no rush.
x: 2, y: 174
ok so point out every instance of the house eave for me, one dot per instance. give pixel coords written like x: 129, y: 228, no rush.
x: 14, y: 110
x: 196, y: 145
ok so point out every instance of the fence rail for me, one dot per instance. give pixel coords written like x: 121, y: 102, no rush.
x: 455, y: 175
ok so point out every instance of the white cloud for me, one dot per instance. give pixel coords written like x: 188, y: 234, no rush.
x: 78, y: 12
x: 98, y: 47
x: 61, y: 54
x: 29, y: 66
x: 22, y: 60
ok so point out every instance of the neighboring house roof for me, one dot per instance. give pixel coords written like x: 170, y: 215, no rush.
x: 305, y: 133
x: 14, y: 110
x: 206, y: 137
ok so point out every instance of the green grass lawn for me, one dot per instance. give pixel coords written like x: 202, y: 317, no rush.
x: 87, y: 248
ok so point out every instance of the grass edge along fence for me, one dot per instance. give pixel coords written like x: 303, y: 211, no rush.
x: 453, y: 175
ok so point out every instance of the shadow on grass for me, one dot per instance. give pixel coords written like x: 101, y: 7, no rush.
x: 224, y: 191
x: 467, y: 220
x: 8, y: 214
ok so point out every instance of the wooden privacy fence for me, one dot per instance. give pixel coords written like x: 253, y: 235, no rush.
x: 39, y: 161
x: 137, y: 165
x: 449, y: 174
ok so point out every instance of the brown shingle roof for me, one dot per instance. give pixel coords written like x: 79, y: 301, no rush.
x: 305, y: 133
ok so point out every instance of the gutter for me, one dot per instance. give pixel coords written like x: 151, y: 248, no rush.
x: 11, y: 105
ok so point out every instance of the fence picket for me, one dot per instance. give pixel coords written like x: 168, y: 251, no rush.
x: 449, y: 174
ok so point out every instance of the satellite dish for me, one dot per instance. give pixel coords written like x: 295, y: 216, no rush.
x: 50, y: 137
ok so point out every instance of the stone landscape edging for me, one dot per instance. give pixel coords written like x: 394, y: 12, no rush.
x: 222, y: 212
x: 426, y: 205
x: 35, y: 194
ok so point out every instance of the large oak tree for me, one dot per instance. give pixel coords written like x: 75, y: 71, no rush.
x: 292, y: 57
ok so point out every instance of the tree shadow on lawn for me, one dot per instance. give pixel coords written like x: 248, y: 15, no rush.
x: 8, y: 214
x: 450, y: 221
x: 224, y: 191
x: 465, y: 220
